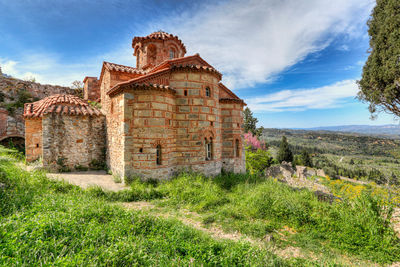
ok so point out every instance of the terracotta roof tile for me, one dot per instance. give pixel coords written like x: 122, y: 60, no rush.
x: 141, y: 86
x: 122, y: 68
x: 195, y: 67
x: 159, y: 35
x: 61, y: 104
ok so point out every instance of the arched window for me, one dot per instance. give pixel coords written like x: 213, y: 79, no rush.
x: 237, y: 149
x: 209, y: 148
x: 158, y: 154
x: 208, y: 92
x: 171, y: 53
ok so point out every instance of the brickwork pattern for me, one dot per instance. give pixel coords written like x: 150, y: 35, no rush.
x: 33, y: 139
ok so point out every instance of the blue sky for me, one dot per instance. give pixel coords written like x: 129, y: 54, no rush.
x: 295, y: 62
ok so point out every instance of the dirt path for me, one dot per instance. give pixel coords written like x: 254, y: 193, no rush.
x: 89, y: 178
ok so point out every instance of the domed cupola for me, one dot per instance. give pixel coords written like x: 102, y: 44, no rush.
x: 156, y: 48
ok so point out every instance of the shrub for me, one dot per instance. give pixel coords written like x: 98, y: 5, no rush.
x: 258, y: 161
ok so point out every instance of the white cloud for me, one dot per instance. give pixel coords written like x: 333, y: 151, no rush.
x: 325, y: 97
x: 46, y: 68
x: 248, y: 41
x: 251, y: 41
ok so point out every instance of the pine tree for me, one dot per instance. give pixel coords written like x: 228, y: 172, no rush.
x: 250, y: 122
x: 284, y: 153
x: 306, y: 158
x: 380, y: 82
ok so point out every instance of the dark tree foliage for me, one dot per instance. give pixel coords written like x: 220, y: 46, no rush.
x: 306, y: 158
x: 284, y: 153
x: 380, y: 82
x: 250, y: 122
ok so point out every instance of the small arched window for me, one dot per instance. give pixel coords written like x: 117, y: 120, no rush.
x: 208, y: 92
x: 209, y: 148
x: 158, y: 154
x: 171, y: 53
x: 237, y: 148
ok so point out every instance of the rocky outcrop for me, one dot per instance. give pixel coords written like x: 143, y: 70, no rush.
x: 284, y: 171
x: 11, y: 88
x: 13, y: 94
x: 303, y: 177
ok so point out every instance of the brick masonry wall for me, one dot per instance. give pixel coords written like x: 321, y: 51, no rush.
x: 197, y: 118
x: 33, y: 139
x: 232, y: 123
x: 77, y: 139
x: 162, y: 53
x: 91, y: 89
x: 139, y: 120
x: 148, y: 122
x: 115, y: 138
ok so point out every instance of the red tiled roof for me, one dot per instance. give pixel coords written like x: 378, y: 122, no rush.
x: 141, y: 86
x: 227, y: 91
x: 61, y: 104
x: 193, y: 60
x: 196, y: 67
x: 122, y: 68
x: 160, y: 35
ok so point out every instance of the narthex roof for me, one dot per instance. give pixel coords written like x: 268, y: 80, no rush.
x: 60, y: 104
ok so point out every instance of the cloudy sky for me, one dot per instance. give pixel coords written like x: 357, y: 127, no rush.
x: 295, y: 62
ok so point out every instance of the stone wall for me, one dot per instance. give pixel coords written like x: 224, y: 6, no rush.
x: 72, y: 140
x: 148, y: 122
x: 115, y: 137
x: 33, y: 139
x: 139, y: 120
x: 233, y: 150
x: 197, y: 118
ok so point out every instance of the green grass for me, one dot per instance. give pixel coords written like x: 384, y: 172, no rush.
x: 256, y: 207
x: 45, y: 222
x: 54, y: 223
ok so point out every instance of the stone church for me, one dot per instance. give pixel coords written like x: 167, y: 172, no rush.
x: 170, y: 113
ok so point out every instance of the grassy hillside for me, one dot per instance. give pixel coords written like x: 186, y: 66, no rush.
x: 45, y: 222
x: 53, y: 223
x: 352, y: 155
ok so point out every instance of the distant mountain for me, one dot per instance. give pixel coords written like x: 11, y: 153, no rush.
x: 389, y: 129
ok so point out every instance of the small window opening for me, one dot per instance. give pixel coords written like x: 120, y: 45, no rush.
x: 141, y: 150
x: 237, y: 148
x: 208, y: 92
x: 158, y: 151
x: 185, y: 92
x: 238, y: 125
x: 37, y: 145
x: 209, y: 154
x: 212, y: 123
x: 171, y: 54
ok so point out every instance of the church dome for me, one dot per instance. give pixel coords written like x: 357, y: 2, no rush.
x: 158, y: 35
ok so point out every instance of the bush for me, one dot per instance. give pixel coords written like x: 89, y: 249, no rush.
x: 258, y: 161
